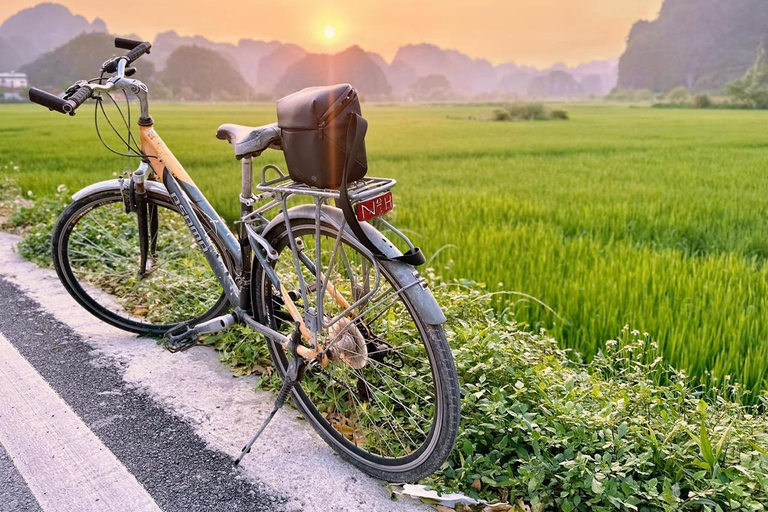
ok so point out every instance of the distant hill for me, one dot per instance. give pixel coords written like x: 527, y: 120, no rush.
x: 556, y: 83
x: 245, y: 56
x: 10, y: 59
x: 34, y: 31
x: 273, y: 66
x: 697, y: 44
x: 353, y: 66
x: 430, y: 88
x: 79, y: 59
x: 419, y: 72
x: 198, y: 73
x: 466, y: 75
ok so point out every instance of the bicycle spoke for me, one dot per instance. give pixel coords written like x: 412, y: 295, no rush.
x: 103, y: 251
x: 397, y: 407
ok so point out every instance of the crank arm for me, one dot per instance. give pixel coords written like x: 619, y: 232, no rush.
x: 307, y: 354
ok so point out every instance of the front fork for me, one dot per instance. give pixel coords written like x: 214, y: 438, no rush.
x: 146, y: 217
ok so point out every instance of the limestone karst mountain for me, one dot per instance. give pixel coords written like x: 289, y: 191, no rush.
x: 418, y: 72
x: 31, y: 32
x: 697, y: 44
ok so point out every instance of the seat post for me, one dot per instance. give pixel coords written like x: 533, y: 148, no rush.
x: 246, y: 207
x: 247, y: 180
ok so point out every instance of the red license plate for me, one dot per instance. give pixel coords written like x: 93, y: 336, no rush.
x: 370, y: 208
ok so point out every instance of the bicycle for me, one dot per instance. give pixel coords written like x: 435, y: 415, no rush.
x: 356, y: 338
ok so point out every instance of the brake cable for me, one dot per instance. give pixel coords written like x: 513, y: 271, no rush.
x: 130, y: 137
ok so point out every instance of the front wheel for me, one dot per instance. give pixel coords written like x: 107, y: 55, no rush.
x: 388, y: 401
x: 96, y: 253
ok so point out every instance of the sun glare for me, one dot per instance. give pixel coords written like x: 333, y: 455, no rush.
x: 329, y: 32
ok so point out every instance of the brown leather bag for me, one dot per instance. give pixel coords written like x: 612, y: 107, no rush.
x: 313, y: 123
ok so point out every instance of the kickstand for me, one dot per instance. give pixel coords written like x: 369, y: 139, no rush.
x: 292, y: 375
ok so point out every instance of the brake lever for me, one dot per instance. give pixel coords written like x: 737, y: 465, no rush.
x: 74, y: 88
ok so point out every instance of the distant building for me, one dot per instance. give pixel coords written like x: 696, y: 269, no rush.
x: 13, y: 80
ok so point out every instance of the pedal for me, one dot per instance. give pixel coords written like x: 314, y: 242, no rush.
x: 179, y: 339
x: 293, y: 374
x: 183, y: 337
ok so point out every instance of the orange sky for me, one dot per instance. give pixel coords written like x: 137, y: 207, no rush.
x: 531, y: 32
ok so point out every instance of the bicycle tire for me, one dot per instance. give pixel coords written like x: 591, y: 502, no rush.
x: 440, y: 441
x: 83, y: 292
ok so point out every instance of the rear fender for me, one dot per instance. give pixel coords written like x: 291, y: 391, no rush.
x: 418, y: 294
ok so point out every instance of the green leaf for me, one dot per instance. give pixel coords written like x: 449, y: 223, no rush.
x: 705, y: 446
x: 597, y: 486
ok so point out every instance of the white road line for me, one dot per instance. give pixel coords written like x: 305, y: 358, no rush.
x: 65, y: 465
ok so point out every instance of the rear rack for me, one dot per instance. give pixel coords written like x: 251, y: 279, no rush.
x: 360, y: 190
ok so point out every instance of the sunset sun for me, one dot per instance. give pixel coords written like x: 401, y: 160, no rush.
x: 329, y: 32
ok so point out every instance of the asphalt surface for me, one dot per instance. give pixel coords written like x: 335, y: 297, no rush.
x: 15, y: 496
x: 160, y: 449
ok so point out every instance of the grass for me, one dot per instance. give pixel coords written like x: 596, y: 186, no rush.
x: 654, y: 218
x: 544, y: 433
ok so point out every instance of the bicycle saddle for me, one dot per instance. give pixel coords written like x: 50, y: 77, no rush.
x: 249, y: 141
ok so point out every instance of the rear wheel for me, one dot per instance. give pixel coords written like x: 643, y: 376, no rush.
x: 96, y: 254
x: 388, y: 401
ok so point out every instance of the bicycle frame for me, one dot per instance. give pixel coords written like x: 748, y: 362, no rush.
x: 184, y: 192
x: 182, y: 189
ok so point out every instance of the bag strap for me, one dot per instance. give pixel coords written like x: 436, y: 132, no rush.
x: 356, y: 130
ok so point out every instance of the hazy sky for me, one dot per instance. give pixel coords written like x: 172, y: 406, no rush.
x: 532, y: 32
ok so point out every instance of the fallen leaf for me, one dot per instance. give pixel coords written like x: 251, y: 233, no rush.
x: 476, y: 484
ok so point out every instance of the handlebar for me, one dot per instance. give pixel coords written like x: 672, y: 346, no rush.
x: 137, y: 49
x: 126, y: 44
x: 114, y: 65
x: 65, y: 106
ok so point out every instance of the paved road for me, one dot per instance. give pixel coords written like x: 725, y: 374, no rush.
x: 124, y: 421
x: 175, y: 469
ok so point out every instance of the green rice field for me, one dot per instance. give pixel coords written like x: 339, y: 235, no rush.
x: 653, y: 218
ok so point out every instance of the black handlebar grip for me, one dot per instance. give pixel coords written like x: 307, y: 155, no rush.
x: 138, y: 52
x: 67, y: 106
x: 49, y: 100
x: 79, y: 97
x: 126, y: 44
